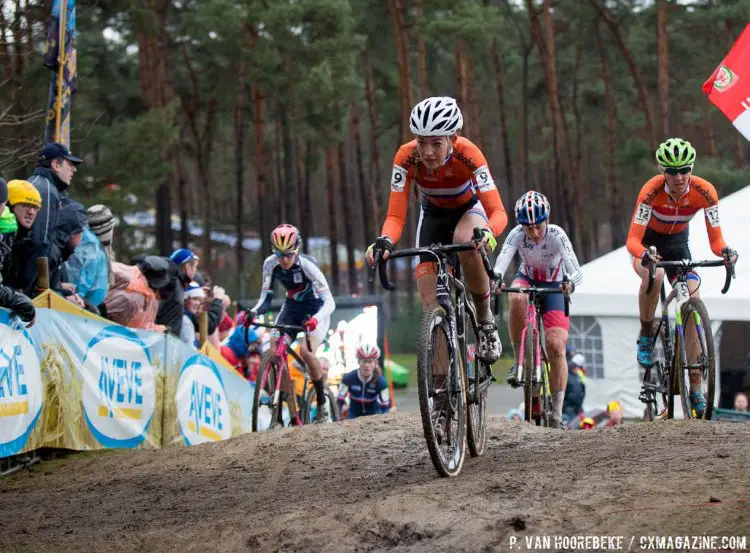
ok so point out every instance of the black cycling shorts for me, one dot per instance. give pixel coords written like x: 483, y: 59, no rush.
x: 671, y: 247
x: 437, y: 224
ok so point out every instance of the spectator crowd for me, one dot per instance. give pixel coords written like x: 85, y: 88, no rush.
x: 40, y: 219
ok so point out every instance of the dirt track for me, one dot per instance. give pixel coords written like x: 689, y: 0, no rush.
x: 368, y: 485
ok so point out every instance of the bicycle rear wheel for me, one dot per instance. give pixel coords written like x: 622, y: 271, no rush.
x: 311, y: 406
x: 700, y: 357
x: 528, y: 372
x: 442, y: 398
x: 267, y: 413
x: 476, y: 373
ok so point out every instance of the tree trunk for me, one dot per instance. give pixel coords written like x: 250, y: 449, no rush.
x: 261, y: 166
x: 564, y: 177
x: 708, y: 129
x: 662, y: 54
x: 614, y: 29
x: 523, y: 143
x: 155, y: 77
x: 288, y: 182
x: 369, y: 224
x: 332, y: 227
x: 278, y: 187
x: 303, y: 215
x: 240, y: 128
x: 500, y: 80
x: 612, y: 187
x: 398, y: 20
x: 182, y: 199
x: 471, y: 88
x: 346, y: 198
x: 375, y: 173
x: 424, y: 91
x: 309, y: 162
x: 462, y: 92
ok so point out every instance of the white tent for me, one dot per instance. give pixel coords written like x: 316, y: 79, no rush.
x: 608, y: 302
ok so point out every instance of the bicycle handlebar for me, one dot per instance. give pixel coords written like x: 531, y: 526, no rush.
x: 688, y: 264
x: 290, y: 328
x: 432, y: 251
x: 542, y: 291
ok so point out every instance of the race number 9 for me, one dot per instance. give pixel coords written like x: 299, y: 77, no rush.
x: 398, y: 179
x: 484, y: 179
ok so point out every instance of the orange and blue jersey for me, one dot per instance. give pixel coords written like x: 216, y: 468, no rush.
x: 464, y: 177
x: 657, y: 212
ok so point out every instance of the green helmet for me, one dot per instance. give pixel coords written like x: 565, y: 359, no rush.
x: 675, y: 152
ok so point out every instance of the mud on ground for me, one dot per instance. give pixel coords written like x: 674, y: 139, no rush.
x: 369, y: 485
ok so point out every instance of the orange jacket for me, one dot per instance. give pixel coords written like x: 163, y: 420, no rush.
x: 656, y: 210
x: 463, y: 176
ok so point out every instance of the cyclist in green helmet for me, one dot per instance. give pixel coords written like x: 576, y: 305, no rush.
x: 663, y: 210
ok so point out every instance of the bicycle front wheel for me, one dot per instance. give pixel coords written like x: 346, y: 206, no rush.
x: 442, y: 394
x: 528, y: 372
x: 267, y: 413
x: 700, y: 372
x: 657, y: 388
x: 476, y: 373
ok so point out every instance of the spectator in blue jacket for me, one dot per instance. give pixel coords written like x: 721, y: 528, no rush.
x: 366, y: 387
x: 88, y: 268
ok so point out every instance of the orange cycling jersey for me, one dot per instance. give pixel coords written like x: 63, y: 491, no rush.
x: 464, y: 176
x: 657, y: 211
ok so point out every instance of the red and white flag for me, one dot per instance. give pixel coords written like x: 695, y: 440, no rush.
x: 729, y: 86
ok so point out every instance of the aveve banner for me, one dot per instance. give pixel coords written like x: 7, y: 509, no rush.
x: 729, y: 85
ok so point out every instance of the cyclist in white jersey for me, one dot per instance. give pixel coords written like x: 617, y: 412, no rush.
x: 546, y: 256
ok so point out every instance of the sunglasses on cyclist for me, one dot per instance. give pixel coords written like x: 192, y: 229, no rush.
x: 285, y: 255
x: 681, y: 170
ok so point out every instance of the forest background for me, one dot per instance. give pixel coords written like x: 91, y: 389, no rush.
x: 236, y: 115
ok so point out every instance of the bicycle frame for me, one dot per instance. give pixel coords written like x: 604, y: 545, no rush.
x: 681, y: 294
x: 281, y: 351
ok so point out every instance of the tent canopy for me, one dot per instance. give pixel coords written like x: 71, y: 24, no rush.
x: 610, y: 285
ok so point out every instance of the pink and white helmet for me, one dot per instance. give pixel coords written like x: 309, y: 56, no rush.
x: 368, y: 351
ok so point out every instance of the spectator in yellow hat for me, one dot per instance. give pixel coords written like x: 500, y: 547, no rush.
x: 24, y: 201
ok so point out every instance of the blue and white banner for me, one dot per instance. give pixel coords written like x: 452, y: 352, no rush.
x: 79, y: 382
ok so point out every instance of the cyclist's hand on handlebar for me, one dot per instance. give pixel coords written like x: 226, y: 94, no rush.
x: 648, y: 257
x: 488, y: 240
x: 496, y: 286
x: 730, y: 255
x: 249, y: 317
x: 382, y: 245
x: 567, y: 287
x: 310, y: 324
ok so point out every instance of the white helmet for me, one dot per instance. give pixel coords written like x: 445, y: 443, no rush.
x: 368, y: 351
x: 436, y: 116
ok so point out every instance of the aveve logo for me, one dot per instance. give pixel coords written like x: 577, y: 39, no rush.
x: 21, y: 393
x: 202, y: 406
x: 119, y: 389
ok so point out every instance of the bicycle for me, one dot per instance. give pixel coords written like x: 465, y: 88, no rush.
x: 448, y: 339
x: 533, y: 362
x: 670, y: 374
x: 273, y: 387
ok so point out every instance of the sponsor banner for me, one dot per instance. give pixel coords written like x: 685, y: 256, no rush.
x: 21, y: 395
x: 81, y: 383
